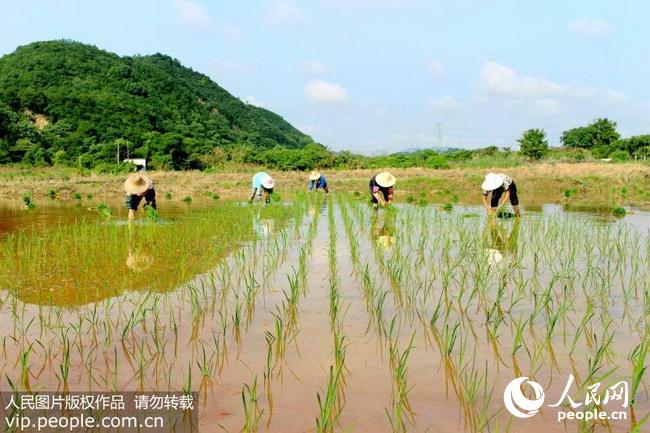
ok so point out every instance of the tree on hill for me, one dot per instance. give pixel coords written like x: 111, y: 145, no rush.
x: 599, y: 136
x: 90, y: 99
x: 533, y: 144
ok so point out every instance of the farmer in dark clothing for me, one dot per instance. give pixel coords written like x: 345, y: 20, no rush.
x: 317, y: 181
x: 137, y: 187
x: 381, y: 189
x: 503, y: 188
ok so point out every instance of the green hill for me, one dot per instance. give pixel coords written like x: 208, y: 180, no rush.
x: 64, y: 102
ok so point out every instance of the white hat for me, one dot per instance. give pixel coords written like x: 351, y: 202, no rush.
x: 268, y: 182
x: 314, y: 175
x: 492, y: 181
x: 385, y: 179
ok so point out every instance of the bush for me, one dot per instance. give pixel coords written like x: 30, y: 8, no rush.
x: 620, y: 155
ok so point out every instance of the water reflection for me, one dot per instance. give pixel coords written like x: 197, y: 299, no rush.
x: 263, y: 228
x: 383, y: 228
x: 500, y: 243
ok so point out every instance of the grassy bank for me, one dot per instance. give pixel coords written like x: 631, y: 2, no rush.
x: 598, y: 184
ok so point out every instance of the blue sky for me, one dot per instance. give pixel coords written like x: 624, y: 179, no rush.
x: 385, y: 75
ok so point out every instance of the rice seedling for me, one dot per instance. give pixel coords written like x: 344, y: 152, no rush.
x: 251, y: 407
x: 27, y: 201
x: 567, y: 295
x: 401, y: 414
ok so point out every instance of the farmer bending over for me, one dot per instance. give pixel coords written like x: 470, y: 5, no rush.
x: 502, y: 188
x: 381, y: 189
x: 317, y: 181
x: 137, y: 187
x: 262, y: 185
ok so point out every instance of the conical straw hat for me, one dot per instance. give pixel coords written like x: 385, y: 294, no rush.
x: 137, y: 184
x: 314, y: 175
x: 268, y: 182
x: 385, y: 179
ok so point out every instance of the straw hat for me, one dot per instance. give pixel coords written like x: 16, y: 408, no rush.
x: 385, y: 179
x: 137, y: 184
x: 492, y: 181
x: 314, y: 175
x: 268, y: 182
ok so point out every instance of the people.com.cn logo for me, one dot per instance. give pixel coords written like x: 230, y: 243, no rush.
x: 517, y: 403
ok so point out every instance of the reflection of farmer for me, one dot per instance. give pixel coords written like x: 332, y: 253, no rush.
x: 381, y: 189
x: 262, y: 185
x: 384, y: 230
x: 502, y: 188
x: 317, y: 181
x: 138, y: 259
x: 137, y: 187
x: 498, y: 242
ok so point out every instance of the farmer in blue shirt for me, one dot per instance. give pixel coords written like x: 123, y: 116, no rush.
x: 316, y: 181
x: 262, y: 185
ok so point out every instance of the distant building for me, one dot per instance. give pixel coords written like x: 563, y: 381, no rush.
x: 139, y: 163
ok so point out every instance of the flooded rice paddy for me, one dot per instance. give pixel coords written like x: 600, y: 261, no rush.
x: 323, y: 315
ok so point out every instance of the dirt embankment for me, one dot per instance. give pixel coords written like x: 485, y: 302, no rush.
x: 598, y: 184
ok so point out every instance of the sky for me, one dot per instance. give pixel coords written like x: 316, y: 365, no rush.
x: 376, y: 76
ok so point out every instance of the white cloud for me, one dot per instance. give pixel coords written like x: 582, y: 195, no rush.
x: 435, y: 68
x: 444, y: 103
x: 325, y: 92
x: 284, y: 12
x: 505, y: 83
x: 590, y: 27
x: 314, y: 67
x: 192, y: 14
x: 231, y: 33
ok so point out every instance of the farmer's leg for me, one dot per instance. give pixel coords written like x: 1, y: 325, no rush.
x: 132, y: 202
x: 514, y: 199
x: 150, y: 198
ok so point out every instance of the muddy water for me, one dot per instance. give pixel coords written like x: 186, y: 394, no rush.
x: 211, y: 316
x: 15, y: 217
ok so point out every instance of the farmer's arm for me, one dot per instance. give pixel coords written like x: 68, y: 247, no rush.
x: 253, y: 195
x: 390, y: 196
x: 379, y: 196
x: 311, y: 185
x: 504, y: 199
x: 486, y: 205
